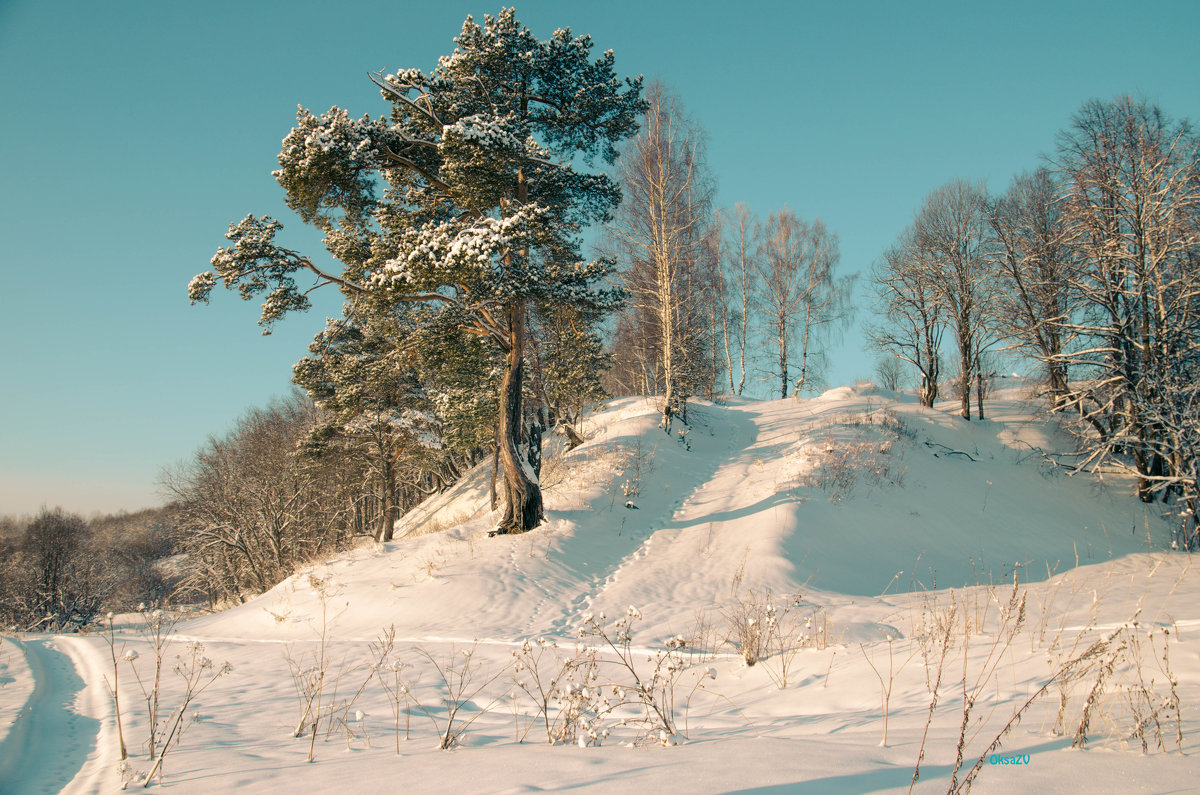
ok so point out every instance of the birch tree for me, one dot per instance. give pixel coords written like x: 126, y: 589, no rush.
x: 657, y: 235
x: 741, y: 232
x: 799, y: 299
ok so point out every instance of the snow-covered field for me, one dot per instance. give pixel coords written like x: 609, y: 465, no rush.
x: 869, y: 545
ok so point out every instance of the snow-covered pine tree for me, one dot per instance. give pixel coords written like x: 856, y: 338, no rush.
x: 481, y: 204
x: 568, y: 359
x: 372, y: 402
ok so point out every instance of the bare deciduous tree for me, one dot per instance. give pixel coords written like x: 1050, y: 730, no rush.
x: 657, y: 235
x: 890, y: 373
x: 251, y: 510
x: 1034, y: 266
x: 913, y: 317
x: 1132, y: 217
x: 952, y: 232
x: 798, y: 295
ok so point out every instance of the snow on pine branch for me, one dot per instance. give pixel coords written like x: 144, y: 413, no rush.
x: 200, y: 287
x: 421, y: 426
x: 432, y: 251
x: 254, y: 264
x: 485, y: 131
x: 331, y: 137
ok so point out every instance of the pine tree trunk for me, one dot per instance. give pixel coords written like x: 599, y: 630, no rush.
x: 522, y: 494
x: 533, y: 446
x: 495, y: 470
x: 387, y: 522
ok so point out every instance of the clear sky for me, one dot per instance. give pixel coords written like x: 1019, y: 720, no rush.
x: 133, y: 133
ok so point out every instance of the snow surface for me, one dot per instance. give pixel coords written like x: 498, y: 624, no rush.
x: 16, y: 684
x: 867, y: 516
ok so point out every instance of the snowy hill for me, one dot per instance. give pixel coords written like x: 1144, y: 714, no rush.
x: 848, y: 494
x: 867, y: 533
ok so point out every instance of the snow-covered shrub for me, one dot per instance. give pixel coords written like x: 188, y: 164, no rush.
x: 704, y: 638
x: 773, y: 631
x: 748, y: 627
x: 858, y: 448
x: 635, y: 696
x: 885, y: 420
x: 551, y: 678
x: 637, y: 466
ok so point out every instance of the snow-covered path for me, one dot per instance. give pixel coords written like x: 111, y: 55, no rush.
x: 49, y: 741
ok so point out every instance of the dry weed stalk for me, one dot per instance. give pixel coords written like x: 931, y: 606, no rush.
x: 1070, y: 668
x: 458, y: 673
x: 390, y: 670
x: 1012, y: 619
x: 198, y: 673
x: 944, y: 643
x: 116, y: 656
x: 887, y: 685
x: 158, y: 629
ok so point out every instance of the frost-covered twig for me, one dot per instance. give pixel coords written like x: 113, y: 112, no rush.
x: 158, y: 629
x: 457, y: 672
x: 114, y: 686
x: 194, y: 671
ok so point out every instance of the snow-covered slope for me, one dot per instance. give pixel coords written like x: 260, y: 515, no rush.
x: 912, y: 499
x: 870, y: 523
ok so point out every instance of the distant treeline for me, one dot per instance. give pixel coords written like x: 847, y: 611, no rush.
x: 58, y: 570
x: 278, y: 491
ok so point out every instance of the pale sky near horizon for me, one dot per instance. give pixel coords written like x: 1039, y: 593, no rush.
x: 134, y: 132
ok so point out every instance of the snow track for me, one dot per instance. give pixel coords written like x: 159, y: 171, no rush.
x: 50, y: 740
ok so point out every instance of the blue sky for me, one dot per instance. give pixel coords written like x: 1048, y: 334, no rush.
x: 133, y: 133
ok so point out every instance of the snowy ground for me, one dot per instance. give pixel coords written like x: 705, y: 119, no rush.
x: 887, y: 537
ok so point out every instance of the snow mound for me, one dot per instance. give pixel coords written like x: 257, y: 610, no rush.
x: 845, y: 495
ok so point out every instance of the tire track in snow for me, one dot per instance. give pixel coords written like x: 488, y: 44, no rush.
x: 49, y: 741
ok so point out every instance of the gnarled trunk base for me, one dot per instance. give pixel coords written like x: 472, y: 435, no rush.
x: 522, y: 493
